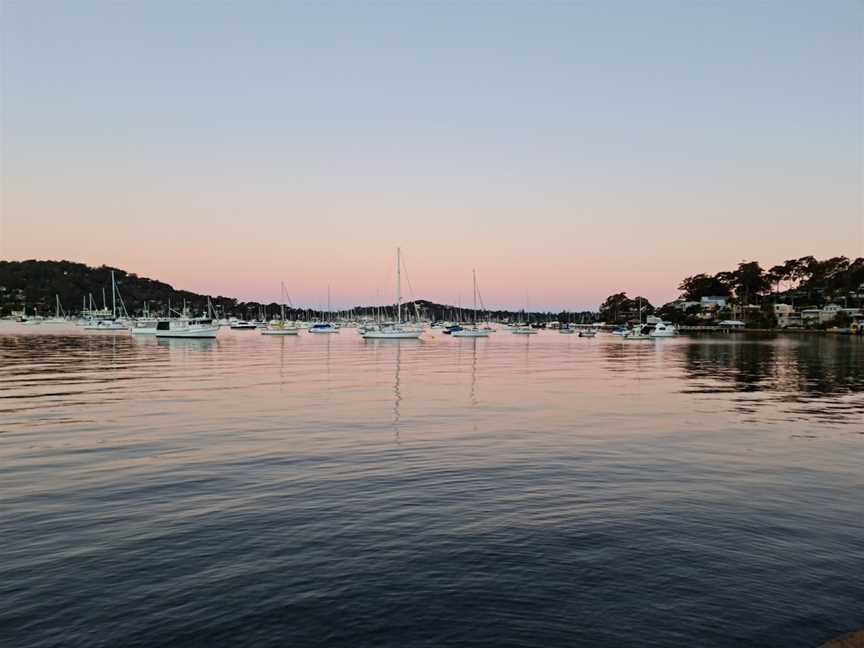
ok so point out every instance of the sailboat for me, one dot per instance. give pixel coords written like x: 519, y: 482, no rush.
x: 30, y: 321
x: 325, y: 327
x: 58, y: 313
x: 472, y: 331
x: 525, y: 329
x: 109, y: 325
x: 280, y: 327
x: 397, y: 331
x: 637, y: 335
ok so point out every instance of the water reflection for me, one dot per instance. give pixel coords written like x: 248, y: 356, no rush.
x: 780, y: 370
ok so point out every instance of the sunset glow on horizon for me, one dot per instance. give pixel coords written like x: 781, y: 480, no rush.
x: 565, y: 151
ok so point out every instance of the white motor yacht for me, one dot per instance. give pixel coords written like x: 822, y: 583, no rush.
x: 664, y: 329
x: 183, y: 327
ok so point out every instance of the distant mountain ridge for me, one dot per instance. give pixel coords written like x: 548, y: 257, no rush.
x: 34, y: 284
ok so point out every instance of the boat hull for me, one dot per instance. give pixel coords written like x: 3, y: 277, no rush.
x: 143, y: 330
x: 392, y: 335
x: 470, y: 334
x: 280, y: 331
x: 198, y: 333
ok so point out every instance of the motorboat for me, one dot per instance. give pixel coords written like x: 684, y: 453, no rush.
x: 184, y: 327
x: 241, y: 325
x: 453, y: 328
x: 664, y: 329
x: 566, y: 330
x: 587, y: 333
x: 324, y: 327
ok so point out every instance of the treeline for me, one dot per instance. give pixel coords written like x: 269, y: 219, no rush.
x: 751, y: 292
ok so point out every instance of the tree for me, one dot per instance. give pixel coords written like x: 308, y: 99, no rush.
x: 703, y: 285
x: 749, y: 281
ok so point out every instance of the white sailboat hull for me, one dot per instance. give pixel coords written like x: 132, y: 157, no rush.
x: 108, y: 328
x: 467, y: 333
x: 208, y: 332
x: 392, y: 335
x: 526, y: 331
x: 278, y: 331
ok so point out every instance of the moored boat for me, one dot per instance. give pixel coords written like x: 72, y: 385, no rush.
x: 397, y: 330
x: 184, y: 327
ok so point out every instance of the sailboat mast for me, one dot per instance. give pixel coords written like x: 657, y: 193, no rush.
x: 398, y: 285
x: 474, y: 272
x: 113, y: 297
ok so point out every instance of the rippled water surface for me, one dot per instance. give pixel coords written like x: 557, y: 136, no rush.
x: 511, y: 491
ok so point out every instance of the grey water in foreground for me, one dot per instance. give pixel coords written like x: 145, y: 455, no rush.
x: 511, y: 491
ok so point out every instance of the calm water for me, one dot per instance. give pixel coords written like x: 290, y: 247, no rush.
x: 513, y: 491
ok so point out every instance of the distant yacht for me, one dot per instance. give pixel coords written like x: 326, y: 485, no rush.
x: 397, y: 330
x: 58, y: 313
x: 664, y: 329
x: 638, y: 334
x: 239, y: 325
x: 472, y: 331
x: 184, y: 327
x: 281, y: 327
x: 325, y: 327
x: 109, y: 325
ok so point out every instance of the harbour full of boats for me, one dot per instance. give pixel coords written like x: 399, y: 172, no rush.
x: 181, y: 324
x: 203, y: 327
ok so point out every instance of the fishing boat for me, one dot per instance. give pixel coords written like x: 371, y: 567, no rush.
x: 280, y: 327
x: 144, y: 326
x: 398, y: 330
x: 185, y: 327
x: 472, y: 331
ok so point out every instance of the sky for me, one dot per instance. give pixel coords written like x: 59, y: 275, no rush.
x: 566, y: 150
